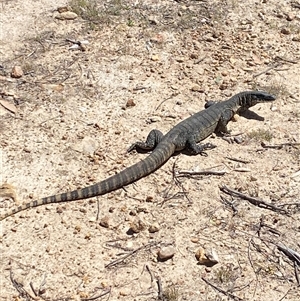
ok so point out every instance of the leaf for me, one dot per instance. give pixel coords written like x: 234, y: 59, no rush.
x: 8, y: 106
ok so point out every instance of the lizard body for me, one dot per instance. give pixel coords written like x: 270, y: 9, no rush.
x: 185, y: 135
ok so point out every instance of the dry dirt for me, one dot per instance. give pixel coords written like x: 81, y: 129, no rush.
x: 148, y: 64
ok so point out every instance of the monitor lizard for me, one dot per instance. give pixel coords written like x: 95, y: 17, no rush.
x: 185, y: 135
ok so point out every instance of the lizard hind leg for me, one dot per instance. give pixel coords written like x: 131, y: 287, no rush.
x: 196, y: 149
x: 153, y: 139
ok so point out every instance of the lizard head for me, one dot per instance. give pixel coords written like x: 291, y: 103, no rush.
x: 251, y: 98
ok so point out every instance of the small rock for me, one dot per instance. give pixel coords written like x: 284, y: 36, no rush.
x: 153, y: 20
x: 290, y: 17
x: 207, y: 258
x: 104, y: 222
x: 155, y: 119
x: 17, y: 72
x: 180, y: 59
x: 296, y: 38
x: 238, y: 139
x: 155, y: 58
x: 194, y: 56
x: 154, y: 228
x: 285, y: 31
x: 166, y: 253
x: 67, y: 15
x: 137, y: 226
x: 224, y: 73
x: 130, y: 103
x: 210, y: 39
x: 197, y: 88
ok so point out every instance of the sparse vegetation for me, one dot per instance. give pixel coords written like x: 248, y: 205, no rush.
x: 260, y: 135
x: 225, y: 274
x: 278, y: 89
x: 171, y: 294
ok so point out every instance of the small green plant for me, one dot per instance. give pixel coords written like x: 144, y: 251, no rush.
x: 260, y: 135
x: 225, y: 274
x: 171, y: 294
x: 86, y: 9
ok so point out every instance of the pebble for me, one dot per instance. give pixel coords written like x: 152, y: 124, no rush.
x: 153, y: 20
x: 290, y: 17
x: 67, y: 15
x: 197, y: 88
x: 154, y: 228
x: 166, y: 253
x: 130, y: 103
x: 155, y: 58
x: 17, y: 72
x: 285, y: 31
x: 206, y: 258
x: 104, y: 222
x: 180, y: 59
x: 155, y: 119
x: 137, y: 226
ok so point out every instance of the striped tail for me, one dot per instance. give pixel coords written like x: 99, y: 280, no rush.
x: 157, y: 158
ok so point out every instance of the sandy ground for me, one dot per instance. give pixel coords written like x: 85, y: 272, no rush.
x: 148, y: 64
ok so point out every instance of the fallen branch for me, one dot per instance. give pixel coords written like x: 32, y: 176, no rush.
x: 121, y: 260
x: 280, y: 146
x: 254, y: 201
x: 201, y: 172
x: 222, y: 291
x: 291, y: 254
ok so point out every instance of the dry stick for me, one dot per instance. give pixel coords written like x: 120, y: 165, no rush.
x: 286, y: 60
x: 284, y: 295
x: 222, y: 291
x: 117, y: 261
x: 296, y: 272
x: 32, y: 287
x: 291, y: 254
x: 201, y: 172
x: 237, y: 160
x: 160, y: 291
x: 280, y: 146
x: 268, y: 69
x: 254, y: 201
x: 251, y: 263
x: 96, y: 297
x: 19, y: 287
x: 150, y: 272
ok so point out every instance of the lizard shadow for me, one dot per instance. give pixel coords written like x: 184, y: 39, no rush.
x: 248, y: 114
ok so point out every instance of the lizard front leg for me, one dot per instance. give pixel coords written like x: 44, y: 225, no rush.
x: 153, y: 138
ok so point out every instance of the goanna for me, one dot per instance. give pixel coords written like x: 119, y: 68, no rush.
x: 185, y: 135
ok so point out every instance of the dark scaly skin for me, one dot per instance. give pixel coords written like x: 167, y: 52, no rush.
x: 185, y: 135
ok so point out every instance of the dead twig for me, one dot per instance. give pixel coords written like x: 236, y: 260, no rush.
x: 159, y: 286
x: 284, y: 295
x: 96, y: 297
x: 19, y: 287
x: 267, y: 70
x: 183, y: 173
x: 296, y: 273
x: 121, y: 260
x: 291, y: 254
x: 221, y: 290
x: 280, y: 146
x: 150, y: 272
x: 237, y: 160
x: 254, y: 201
x: 229, y: 204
